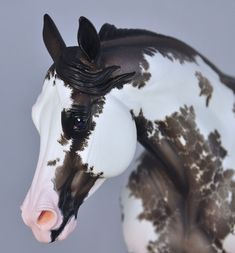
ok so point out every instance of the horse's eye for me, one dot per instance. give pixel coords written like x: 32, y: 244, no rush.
x: 79, y: 123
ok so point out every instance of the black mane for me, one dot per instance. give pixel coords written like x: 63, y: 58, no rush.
x: 94, y: 69
x: 90, y: 78
x: 110, y: 32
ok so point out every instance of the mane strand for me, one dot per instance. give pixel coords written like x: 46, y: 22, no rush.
x: 110, y: 32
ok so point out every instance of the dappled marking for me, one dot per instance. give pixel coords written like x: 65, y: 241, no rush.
x: 205, y: 87
x: 209, y: 190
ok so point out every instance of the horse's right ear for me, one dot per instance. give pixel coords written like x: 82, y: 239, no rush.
x: 52, y: 38
x: 88, y: 39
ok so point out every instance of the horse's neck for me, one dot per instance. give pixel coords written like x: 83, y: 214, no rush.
x: 173, y: 85
x: 174, y: 90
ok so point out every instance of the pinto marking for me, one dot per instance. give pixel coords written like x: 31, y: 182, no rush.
x: 131, y: 84
x: 205, y: 86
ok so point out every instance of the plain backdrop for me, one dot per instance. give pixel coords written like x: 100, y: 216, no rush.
x: 207, y: 25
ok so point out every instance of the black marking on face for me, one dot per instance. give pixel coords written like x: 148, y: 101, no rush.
x: 73, y: 183
x: 234, y: 108
x: 74, y: 179
x: 205, y: 86
x: 200, y: 217
x: 77, y: 122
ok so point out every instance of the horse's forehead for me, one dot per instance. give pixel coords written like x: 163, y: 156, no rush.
x: 64, y: 92
x: 70, y: 96
x: 81, y: 99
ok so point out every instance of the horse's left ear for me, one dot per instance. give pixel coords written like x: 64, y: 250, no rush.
x: 52, y: 38
x: 88, y: 39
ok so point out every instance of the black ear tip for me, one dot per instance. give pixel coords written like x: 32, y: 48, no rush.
x: 84, y: 20
x: 46, y: 17
x: 81, y: 19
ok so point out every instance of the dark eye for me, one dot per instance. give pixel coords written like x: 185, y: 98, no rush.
x: 75, y: 122
x: 79, y: 123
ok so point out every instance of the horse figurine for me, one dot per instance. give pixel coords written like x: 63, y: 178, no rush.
x: 120, y: 86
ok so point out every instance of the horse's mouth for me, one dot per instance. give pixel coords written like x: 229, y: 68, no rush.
x: 71, y: 197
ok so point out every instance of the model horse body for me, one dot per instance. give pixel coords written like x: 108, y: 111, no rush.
x: 119, y: 87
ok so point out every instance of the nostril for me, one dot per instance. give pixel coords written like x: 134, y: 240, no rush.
x: 46, y: 219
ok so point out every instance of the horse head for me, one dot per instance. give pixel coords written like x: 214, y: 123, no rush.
x: 86, y: 135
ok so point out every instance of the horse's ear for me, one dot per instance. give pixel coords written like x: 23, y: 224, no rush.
x: 52, y: 38
x: 88, y: 39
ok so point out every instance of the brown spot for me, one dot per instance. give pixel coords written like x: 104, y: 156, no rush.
x: 141, y: 80
x: 142, y: 75
x: 205, y: 86
x: 63, y: 141
x: 98, y: 106
x: 51, y: 163
x: 216, y: 145
x: 186, y: 193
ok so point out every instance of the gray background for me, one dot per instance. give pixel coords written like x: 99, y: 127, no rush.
x: 209, y: 26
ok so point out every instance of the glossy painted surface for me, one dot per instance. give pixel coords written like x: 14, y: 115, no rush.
x: 101, y: 153
x: 172, y: 85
